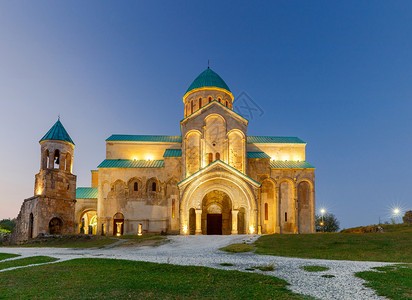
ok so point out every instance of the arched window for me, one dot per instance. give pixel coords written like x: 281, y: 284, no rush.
x: 31, y: 220
x: 217, y: 155
x: 153, y: 186
x: 220, y: 100
x: 286, y: 216
x: 173, y: 208
x: 210, y: 158
x: 227, y: 104
x: 57, y: 158
x: 210, y: 99
x: 200, y: 102
x: 266, y: 211
x: 191, y: 107
x: 135, y: 187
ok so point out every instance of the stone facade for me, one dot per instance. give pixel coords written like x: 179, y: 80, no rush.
x: 212, y: 179
x: 52, y: 209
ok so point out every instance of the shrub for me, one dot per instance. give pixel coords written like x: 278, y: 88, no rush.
x: 330, y: 223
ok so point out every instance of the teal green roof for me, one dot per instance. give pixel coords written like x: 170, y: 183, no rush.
x: 274, y: 140
x: 130, y: 163
x: 57, y: 132
x: 145, y: 138
x: 257, y: 155
x: 173, y: 153
x: 291, y: 165
x: 86, y: 193
x: 208, y: 78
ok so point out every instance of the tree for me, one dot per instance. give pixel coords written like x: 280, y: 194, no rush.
x: 330, y: 223
x: 8, y: 224
x: 407, y: 218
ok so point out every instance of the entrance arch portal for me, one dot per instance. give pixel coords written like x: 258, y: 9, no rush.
x: 217, y: 194
x: 216, y: 213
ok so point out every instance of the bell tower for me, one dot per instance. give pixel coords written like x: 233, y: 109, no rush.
x: 55, y: 178
x: 52, y: 208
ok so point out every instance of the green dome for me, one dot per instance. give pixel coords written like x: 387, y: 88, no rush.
x: 208, y: 78
x: 57, y: 132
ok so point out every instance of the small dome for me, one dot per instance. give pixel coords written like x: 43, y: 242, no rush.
x: 57, y: 132
x: 208, y: 78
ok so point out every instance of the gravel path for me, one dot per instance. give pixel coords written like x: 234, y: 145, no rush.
x: 203, y: 251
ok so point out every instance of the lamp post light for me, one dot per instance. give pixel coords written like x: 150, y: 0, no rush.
x: 396, y: 212
x: 322, y: 212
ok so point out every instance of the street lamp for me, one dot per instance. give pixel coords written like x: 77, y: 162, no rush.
x: 322, y: 212
x: 396, y: 212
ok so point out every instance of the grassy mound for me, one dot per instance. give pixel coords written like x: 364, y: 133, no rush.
x: 70, y: 241
x: 110, y: 278
x: 377, y: 228
x: 238, y: 248
x: 391, y: 246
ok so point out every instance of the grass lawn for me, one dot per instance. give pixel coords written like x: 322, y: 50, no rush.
x: 7, y: 255
x: 143, y: 240
x: 26, y: 261
x: 70, y: 241
x: 394, y: 282
x: 314, y: 268
x: 237, y: 248
x: 392, y: 246
x: 109, y: 278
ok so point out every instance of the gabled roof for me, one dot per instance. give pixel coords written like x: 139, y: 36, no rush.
x: 291, y: 165
x: 211, y: 103
x: 145, y: 138
x: 257, y: 155
x: 173, y: 153
x: 216, y: 162
x: 130, y: 163
x: 208, y: 78
x: 86, y: 193
x: 57, y: 132
x: 274, y: 140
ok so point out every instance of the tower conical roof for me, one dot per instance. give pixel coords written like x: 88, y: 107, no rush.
x: 208, y: 78
x: 57, y: 132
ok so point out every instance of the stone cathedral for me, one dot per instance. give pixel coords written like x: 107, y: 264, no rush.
x: 211, y: 179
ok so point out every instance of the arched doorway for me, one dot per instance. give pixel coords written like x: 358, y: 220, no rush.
x: 236, y: 191
x: 216, y: 213
x: 55, y: 226
x: 118, y: 224
x: 88, y: 222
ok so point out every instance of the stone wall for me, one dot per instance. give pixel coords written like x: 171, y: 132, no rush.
x: 155, y: 203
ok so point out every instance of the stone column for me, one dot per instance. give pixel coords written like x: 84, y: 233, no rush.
x: 295, y: 206
x: 234, y: 221
x: 51, y: 160
x: 198, y: 221
x: 312, y: 213
x: 62, y: 159
x: 259, y: 212
x: 277, y: 210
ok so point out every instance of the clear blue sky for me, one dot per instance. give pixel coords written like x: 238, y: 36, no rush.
x: 336, y: 74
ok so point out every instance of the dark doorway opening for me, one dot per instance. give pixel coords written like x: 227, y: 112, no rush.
x: 55, y: 226
x: 31, y: 220
x: 214, y: 224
